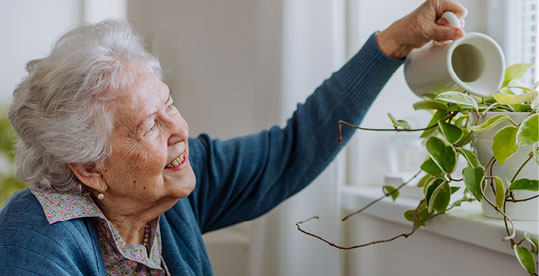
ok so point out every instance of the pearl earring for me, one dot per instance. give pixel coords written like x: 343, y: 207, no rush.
x: 100, y: 196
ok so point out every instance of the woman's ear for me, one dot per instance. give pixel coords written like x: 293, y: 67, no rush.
x: 89, y: 175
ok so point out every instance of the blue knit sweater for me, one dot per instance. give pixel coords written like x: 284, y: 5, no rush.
x: 237, y: 180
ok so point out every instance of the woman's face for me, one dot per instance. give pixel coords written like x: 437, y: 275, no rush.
x: 149, y: 165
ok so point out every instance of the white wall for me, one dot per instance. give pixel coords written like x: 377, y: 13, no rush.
x: 423, y: 253
x: 210, y: 53
x: 28, y: 29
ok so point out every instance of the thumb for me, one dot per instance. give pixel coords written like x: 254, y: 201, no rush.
x: 446, y: 32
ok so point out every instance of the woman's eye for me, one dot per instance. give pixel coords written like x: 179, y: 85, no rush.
x: 151, y: 127
x: 171, y: 107
x: 155, y: 123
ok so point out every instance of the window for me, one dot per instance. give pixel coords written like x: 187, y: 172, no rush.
x: 512, y: 23
x: 527, y: 52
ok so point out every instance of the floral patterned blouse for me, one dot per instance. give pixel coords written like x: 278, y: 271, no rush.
x: 120, y: 258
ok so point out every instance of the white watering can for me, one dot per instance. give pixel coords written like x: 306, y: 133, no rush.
x: 474, y: 63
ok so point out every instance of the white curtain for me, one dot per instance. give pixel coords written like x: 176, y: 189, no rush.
x: 514, y: 25
x: 312, y: 48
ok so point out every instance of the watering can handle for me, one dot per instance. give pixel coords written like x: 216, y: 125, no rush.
x: 452, y: 19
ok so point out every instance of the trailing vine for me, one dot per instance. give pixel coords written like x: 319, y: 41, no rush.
x: 449, y: 136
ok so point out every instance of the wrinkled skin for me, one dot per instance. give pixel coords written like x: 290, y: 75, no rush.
x: 148, y: 134
x: 421, y: 26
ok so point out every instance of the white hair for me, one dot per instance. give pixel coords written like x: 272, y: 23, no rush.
x: 59, y: 110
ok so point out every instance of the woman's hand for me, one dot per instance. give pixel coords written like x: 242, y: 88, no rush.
x: 421, y: 26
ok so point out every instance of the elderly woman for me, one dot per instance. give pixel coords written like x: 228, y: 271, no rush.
x: 119, y: 188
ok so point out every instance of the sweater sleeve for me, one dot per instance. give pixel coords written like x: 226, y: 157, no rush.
x: 242, y: 178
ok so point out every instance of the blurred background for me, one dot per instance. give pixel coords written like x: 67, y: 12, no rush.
x: 238, y: 66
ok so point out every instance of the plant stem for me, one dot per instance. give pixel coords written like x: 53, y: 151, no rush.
x: 513, y: 122
x: 486, y: 110
x: 505, y: 223
x: 521, y: 241
x: 522, y: 166
x: 524, y: 199
x: 406, y: 235
x: 451, y: 179
x: 507, y: 107
x: 381, y: 197
x: 341, y: 122
x: 417, y: 221
x: 463, y: 199
x: 513, y: 228
x: 511, y: 233
x: 510, y: 196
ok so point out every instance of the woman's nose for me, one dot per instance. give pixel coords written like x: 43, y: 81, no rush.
x: 179, y: 130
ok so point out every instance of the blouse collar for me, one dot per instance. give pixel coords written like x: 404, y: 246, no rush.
x: 66, y: 206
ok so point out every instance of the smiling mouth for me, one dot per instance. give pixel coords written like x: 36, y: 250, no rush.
x: 176, y: 162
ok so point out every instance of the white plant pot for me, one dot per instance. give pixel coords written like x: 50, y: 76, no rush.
x: 482, y: 143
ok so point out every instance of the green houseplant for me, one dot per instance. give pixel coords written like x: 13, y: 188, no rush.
x: 456, y: 130
x: 9, y: 183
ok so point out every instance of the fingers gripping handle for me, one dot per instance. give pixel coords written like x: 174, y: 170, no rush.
x: 452, y: 19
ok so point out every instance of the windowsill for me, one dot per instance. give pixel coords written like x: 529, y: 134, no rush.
x: 465, y: 223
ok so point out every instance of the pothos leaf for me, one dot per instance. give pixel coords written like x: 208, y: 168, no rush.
x: 472, y: 180
x: 500, y: 192
x: 454, y: 189
x: 491, y: 123
x: 465, y: 139
x: 505, y: 90
x: 392, y: 191
x: 461, y: 121
x: 398, y: 123
x: 525, y: 184
x: 438, y: 115
x: 536, y: 152
x: 530, y: 240
x: 504, y: 143
x: 409, y: 215
x: 523, y: 107
x: 535, y: 104
x: 470, y: 157
x: 440, y: 198
x: 525, y: 258
x: 518, y: 84
x: 442, y: 153
x: 515, y: 71
x: 451, y: 133
x: 514, y: 99
x: 528, y: 132
x: 425, y: 179
x: 431, y: 168
x: 430, y: 188
x: 419, y: 215
x: 429, y: 105
x: 457, y: 98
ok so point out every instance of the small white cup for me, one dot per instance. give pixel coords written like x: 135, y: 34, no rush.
x: 474, y: 63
